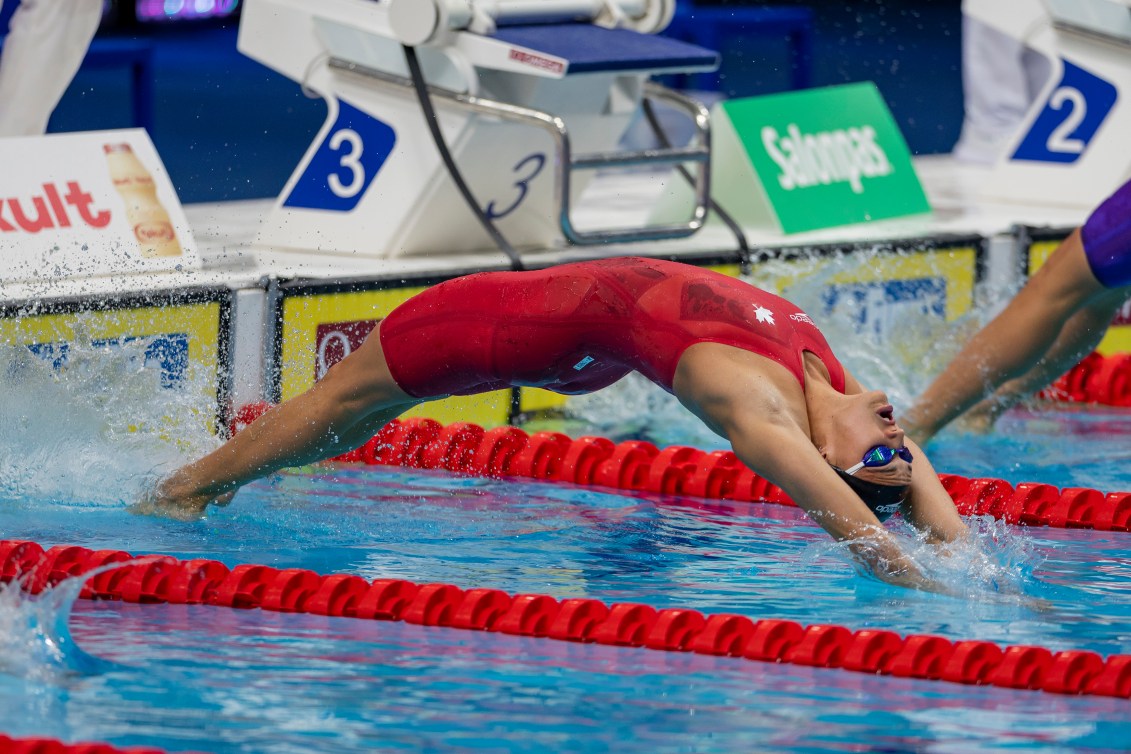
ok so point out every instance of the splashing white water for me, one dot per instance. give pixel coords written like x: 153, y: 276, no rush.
x: 993, y: 564
x: 35, y: 641
x: 97, y: 428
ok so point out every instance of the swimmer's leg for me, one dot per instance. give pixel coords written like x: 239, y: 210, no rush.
x: 1014, y: 342
x: 355, y: 398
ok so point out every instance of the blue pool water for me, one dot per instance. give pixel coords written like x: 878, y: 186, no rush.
x: 234, y: 681
x: 222, y: 680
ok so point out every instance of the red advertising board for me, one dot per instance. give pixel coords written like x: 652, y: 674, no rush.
x: 337, y: 340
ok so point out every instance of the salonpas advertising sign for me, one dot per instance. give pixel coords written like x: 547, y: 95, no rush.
x: 86, y: 204
x: 813, y: 159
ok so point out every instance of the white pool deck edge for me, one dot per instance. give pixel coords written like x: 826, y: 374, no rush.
x: 225, y: 231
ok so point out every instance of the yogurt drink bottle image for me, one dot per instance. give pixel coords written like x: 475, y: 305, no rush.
x: 149, y: 220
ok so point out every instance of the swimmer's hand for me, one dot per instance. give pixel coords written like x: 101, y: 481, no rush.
x: 1012, y: 593
x: 881, y: 556
x: 1038, y: 604
x: 916, y: 579
x: 162, y: 502
x: 979, y: 420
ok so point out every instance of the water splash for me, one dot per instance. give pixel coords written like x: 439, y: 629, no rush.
x: 95, y: 427
x: 892, y: 335
x: 994, y: 564
x: 35, y: 640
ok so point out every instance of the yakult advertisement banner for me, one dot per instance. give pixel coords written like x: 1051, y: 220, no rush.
x: 87, y: 204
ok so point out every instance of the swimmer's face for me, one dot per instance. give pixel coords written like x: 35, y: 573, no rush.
x: 864, y: 421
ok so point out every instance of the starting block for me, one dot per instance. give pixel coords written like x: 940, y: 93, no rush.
x: 1071, y: 149
x: 531, y: 97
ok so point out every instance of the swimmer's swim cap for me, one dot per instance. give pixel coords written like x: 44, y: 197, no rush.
x: 881, y: 499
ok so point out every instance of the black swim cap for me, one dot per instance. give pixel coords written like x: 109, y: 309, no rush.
x: 881, y: 499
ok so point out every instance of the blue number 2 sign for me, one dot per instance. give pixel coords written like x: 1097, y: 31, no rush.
x: 1070, y: 118
x: 345, y: 163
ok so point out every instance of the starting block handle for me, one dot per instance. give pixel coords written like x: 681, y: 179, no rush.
x: 642, y: 157
x: 416, y: 22
x: 566, y: 163
x: 699, y: 154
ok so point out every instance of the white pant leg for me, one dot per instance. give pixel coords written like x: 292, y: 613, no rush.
x: 999, y: 81
x: 46, y: 43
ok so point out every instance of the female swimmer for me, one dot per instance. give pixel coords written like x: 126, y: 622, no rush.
x: 749, y: 364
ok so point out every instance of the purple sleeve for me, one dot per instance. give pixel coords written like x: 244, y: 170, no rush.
x: 1107, y: 239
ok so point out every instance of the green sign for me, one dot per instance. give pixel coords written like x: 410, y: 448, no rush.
x: 812, y: 159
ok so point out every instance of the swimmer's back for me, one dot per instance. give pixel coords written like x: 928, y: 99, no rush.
x: 578, y: 327
x: 493, y: 330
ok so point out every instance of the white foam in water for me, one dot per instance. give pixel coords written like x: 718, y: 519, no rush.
x: 97, y: 428
x: 994, y: 564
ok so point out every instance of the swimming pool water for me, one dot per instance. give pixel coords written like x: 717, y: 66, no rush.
x: 222, y: 680
x: 225, y: 680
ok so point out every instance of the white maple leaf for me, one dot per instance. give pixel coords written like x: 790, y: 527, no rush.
x: 763, y: 314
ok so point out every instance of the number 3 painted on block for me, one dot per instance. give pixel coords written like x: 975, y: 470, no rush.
x: 344, y: 163
x: 350, y: 160
x: 538, y: 161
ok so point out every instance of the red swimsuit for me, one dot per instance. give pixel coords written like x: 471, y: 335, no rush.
x: 576, y: 328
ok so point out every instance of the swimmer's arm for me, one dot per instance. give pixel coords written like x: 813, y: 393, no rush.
x: 929, y: 507
x: 785, y: 456
x: 745, y: 406
x: 355, y: 398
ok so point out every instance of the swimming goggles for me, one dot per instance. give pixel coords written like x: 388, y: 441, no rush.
x: 880, y: 455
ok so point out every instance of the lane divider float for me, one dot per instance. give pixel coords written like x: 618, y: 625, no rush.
x: 637, y: 465
x: 1099, y: 379
x: 633, y: 465
x: 164, y: 579
x: 53, y: 746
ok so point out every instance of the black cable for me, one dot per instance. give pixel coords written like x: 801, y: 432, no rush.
x: 434, y: 127
x: 665, y: 142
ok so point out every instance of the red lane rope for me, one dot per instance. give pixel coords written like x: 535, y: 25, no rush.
x: 166, y: 579
x: 677, y: 470
x: 53, y: 746
x: 1105, y: 380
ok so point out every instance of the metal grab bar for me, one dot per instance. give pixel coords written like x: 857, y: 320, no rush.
x: 566, y: 162
x: 699, y: 154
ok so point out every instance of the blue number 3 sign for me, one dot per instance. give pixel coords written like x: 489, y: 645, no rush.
x: 1070, y: 118
x: 345, y: 163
